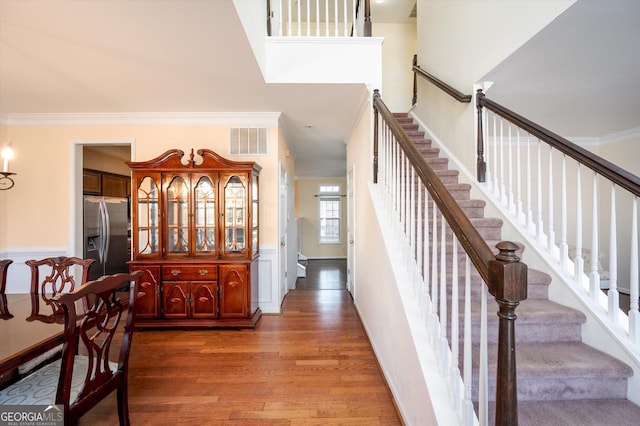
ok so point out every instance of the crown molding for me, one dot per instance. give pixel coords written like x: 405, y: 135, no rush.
x: 622, y: 136
x: 144, y: 118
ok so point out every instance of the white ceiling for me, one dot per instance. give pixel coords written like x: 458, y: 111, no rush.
x: 175, y: 56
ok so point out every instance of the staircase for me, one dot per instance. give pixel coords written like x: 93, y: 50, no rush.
x: 561, y: 381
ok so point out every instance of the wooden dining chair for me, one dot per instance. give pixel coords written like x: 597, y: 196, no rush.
x: 94, y: 360
x: 58, y: 278
x: 4, y: 266
x: 4, y: 308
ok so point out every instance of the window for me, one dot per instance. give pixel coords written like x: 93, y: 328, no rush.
x: 330, y: 216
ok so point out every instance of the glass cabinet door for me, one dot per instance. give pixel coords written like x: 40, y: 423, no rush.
x: 177, y: 216
x: 148, y: 238
x: 235, y: 195
x: 204, y: 197
x: 254, y: 215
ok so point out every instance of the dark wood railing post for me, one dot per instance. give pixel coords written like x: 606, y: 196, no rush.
x: 376, y: 94
x: 508, y: 284
x: 367, y: 18
x: 414, y: 99
x: 481, y: 164
x: 269, y: 18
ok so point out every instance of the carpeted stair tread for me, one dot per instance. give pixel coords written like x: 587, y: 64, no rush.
x: 538, y: 321
x: 598, y: 412
x: 566, y: 359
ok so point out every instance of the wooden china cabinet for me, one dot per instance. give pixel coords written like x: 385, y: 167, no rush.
x: 195, y: 229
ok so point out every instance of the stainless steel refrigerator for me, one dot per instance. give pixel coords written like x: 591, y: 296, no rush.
x: 106, y: 227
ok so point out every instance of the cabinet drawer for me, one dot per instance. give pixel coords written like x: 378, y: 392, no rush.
x: 187, y: 272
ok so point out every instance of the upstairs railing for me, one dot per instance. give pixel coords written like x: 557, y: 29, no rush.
x: 566, y: 198
x: 433, y: 228
x: 319, y: 18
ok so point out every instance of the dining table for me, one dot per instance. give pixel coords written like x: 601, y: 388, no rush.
x: 23, y: 336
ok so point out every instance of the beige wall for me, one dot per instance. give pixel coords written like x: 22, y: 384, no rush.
x: 4, y: 194
x: 397, y: 55
x: 36, y: 212
x: 308, y: 218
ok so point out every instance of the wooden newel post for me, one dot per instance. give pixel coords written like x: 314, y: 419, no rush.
x: 481, y: 165
x: 376, y: 94
x: 414, y: 99
x: 508, y: 284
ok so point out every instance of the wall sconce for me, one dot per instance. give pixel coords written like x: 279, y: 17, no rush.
x: 5, y: 175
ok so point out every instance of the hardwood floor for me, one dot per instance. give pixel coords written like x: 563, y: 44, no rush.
x: 311, y: 365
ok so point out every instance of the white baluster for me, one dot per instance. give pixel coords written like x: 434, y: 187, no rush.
x: 455, y: 329
x: 346, y: 32
x: 469, y: 414
x: 519, y: 212
x: 530, y: 225
x: 634, y: 311
x: 317, y: 18
x: 444, y: 367
x: 612, y: 294
x: 434, y: 274
x: 594, y: 276
x: 483, y: 378
x: 403, y: 190
x: 335, y: 17
x: 539, y: 231
x: 578, y: 261
x: 299, y: 22
x: 308, y: 23
x: 289, y: 18
x: 326, y: 21
x: 427, y: 245
x: 564, y: 247
x: 280, y: 9
x: 511, y: 202
x: 412, y: 215
x: 551, y: 237
x: 496, y: 178
x: 503, y: 189
x: 419, y: 230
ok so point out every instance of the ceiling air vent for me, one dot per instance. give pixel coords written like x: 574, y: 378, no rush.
x: 248, y: 141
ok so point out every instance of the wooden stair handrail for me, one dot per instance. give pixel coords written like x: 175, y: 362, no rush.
x: 505, y: 275
x: 456, y: 94
x: 614, y: 173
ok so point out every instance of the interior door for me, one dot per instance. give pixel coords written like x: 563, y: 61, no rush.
x: 282, y: 232
x: 351, y: 213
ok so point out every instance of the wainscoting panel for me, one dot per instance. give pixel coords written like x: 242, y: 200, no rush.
x: 268, y: 269
x: 19, y: 274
